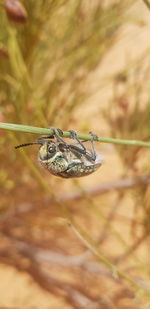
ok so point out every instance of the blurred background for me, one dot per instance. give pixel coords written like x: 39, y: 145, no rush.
x: 75, y: 243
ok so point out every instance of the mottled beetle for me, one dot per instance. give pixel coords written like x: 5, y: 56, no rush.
x: 64, y: 159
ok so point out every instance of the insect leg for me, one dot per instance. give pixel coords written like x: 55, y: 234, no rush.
x: 57, y: 133
x: 60, y: 143
x: 94, y: 138
x: 73, y: 135
x: 53, y: 135
x: 89, y: 156
x: 78, y: 151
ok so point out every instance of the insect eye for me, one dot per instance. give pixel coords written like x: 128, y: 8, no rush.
x: 51, y: 148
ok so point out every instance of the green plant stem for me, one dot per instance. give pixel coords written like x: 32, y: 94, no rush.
x: 115, y: 271
x: 36, y: 130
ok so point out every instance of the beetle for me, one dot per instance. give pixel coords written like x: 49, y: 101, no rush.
x: 67, y: 160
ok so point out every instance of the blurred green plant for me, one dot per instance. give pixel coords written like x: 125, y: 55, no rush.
x: 50, y: 55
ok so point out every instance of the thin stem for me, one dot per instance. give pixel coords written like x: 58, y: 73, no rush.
x: 36, y: 130
x: 115, y: 271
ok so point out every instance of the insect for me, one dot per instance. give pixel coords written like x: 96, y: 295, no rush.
x: 67, y: 160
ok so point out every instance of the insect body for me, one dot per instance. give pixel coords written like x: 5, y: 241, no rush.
x: 67, y: 160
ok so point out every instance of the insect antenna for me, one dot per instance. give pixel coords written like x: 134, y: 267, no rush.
x: 28, y: 144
